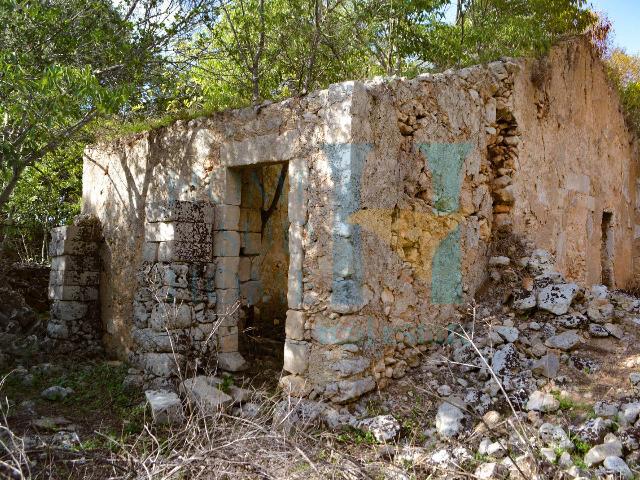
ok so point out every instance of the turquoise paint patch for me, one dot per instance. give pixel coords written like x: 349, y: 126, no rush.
x: 446, y: 271
x: 346, y: 163
x: 445, y: 161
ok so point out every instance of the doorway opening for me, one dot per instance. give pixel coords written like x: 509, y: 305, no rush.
x: 264, y: 265
x: 606, y: 249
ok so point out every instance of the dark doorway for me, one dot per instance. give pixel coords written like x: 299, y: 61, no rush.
x: 606, y: 249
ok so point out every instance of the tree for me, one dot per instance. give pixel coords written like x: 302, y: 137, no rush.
x: 625, y: 72
x: 64, y: 63
x: 487, y: 29
x: 48, y: 194
x: 254, y: 50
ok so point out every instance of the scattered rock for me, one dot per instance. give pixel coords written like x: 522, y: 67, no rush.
x: 557, y: 298
x: 596, y: 330
x: 600, y: 310
x: 297, y: 413
x: 56, y: 393
x: 593, y: 431
x: 629, y: 413
x: 573, y: 320
x: 611, y: 448
x: 605, y: 409
x: 490, y: 471
x: 247, y: 410
x: 614, y: 330
x: 526, y: 302
x: 542, y: 402
x: 449, y: 418
x: 618, y: 466
x: 564, y: 341
x: 444, y: 390
x: 51, y: 423
x: 509, y: 334
x: 505, y: 359
x: 203, y: 393
x: 166, y: 407
x: 547, y: 366
x: 565, y: 460
x: 66, y: 440
x: 383, y: 427
x: 555, y: 436
x: 232, y: 362
x: 549, y: 454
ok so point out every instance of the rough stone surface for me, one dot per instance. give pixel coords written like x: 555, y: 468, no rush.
x: 449, y: 418
x: 565, y: 341
x: 557, y: 298
x: 384, y: 428
x: 56, y: 393
x: 547, y: 365
x: 395, y: 191
x: 598, y: 453
x: 166, y: 407
x: 203, y: 393
x: 542, y: 402
x: 618, y: 466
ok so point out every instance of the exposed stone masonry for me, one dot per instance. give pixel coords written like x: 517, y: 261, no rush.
x: 186, y: 301
x: 75, y: 324
x: 396, y: 190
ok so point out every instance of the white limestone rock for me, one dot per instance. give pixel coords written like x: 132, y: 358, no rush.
x: 383, y: 427
x: 619, y: 467
x: 204, y: 394
x: 547, y: 366
x: 525, y: 302
x: 505, y: 360
x: 555, y: 436
x: 614, y: 330
x: 166, y: 407
x: 557, y: 298
x: 449, y: 418
x: 610, y: 448
x: 605, y: 409
x: 56, y: 393
x: 542, y: 402
x: 509, y: 334
x: 564, y: 341
x: 232, y: 362
x: 490, y: 471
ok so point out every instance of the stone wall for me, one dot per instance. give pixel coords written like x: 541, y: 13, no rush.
x: 576, y: 161
x: 75, y: 325
x: 394, y: 193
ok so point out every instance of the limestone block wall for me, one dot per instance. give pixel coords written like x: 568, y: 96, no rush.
x: 75, y: 325
x: 394, y: 193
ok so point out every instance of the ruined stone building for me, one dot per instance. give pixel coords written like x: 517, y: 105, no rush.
x: 388, y: 194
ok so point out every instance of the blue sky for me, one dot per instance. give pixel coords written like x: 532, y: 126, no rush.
x: 625, y: 15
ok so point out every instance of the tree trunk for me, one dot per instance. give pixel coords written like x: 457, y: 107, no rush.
x: 9, y: 187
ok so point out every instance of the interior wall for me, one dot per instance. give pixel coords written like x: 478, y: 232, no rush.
x: 576, y: 162
x: 270, y: 266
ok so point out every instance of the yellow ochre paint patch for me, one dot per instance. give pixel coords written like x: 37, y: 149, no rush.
x: 414, y: 236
